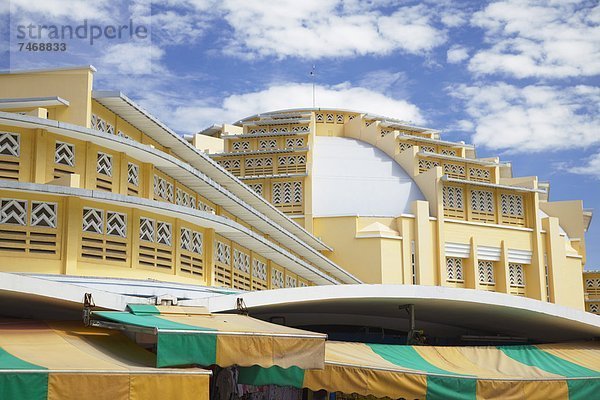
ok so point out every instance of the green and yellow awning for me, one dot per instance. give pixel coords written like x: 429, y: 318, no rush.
x: 564, y: 371
x: 192, y: 336
x: 40, y: 361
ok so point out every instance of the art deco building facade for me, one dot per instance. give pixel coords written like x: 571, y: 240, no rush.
x: 93, y: 185
x: 400, y: 205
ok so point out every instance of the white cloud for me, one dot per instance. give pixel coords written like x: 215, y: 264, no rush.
x: 591, y: 167
x: 327, y: 28
x: 132, y: 58
x: 76, y: 10
x: 533, y: 118
x: 456, y: 54
x: 538, y: 38
x: 190, y: 117
x: 385, y: 81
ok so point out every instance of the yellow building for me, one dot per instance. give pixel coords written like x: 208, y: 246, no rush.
x: 400, y: 205
x: 371, y: 230
x: 93, y: 185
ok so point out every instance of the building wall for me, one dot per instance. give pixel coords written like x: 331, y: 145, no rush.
x: 76, y: 241
x: 479, y: 227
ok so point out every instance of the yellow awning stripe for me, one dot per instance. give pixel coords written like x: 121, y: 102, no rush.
x: 492, y: 359
x: 578, y: 353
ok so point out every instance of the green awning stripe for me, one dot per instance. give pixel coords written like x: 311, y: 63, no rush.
x: 275, y: 375
x: 175, y: 349
x: 441, y: 388
x: 25, y: 386
x: 408, y: 357
x: 147, y: 321
x: 8, y: 361
x: 143, y: 309
x: 535, y: 357
x: 583, y: 389
x: 30, y: 386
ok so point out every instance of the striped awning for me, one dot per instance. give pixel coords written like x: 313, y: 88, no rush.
x: 561, y: 371
x: 192, y: 336
x: 40, y: 361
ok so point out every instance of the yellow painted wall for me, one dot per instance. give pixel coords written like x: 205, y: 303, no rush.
x: 73, y: 85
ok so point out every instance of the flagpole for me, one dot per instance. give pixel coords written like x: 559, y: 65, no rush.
x: 312, y: 74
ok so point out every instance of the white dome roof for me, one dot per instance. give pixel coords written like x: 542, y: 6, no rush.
x: 351, y: 177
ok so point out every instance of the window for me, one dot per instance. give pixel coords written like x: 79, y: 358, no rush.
x: 485, y: 272
x: 10, y: 144
x: 64, y: 154
x: 454, y: 269
x: 516, y: 275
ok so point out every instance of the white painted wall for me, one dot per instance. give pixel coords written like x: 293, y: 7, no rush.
x: 351, y: 177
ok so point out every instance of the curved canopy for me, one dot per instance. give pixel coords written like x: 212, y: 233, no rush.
x: 440, y: 311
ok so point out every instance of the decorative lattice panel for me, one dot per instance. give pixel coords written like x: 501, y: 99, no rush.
x: 426, y: 165
x: 133, y: 179
x: 155, y: 249
x: 592, y: 287
x: 300, y: 128
x: 163, y: 189
x: 13, y: 211
x: 448, y: 152
x: 516, y: 276
x: 163, y: 233
x: 104, y: 236
x: 147, y: 229
x: 454, y: 170
x: 240, y: 145
x: 429, y: 149
x: 104, y: 164
x: 291, y: 164
x: 185, y: 199
x: 485, y: 272
x: 64, y: 153
x: 453, y: 202
x: 267, y: 144
x: 479, y: 174
x: 513, y: 212
x: 10, y: 150
x: 291, y: 281
x: 294, y: 142
x: 258, y: 166
x: 276, y: 279
x: 44, y: 214
x: 222, y: 270
x: 594, y: 308
x: 116, y: 224
x: 257, y: 187
x: 319, y: 118
x: 288, y: 195
x: 10, y: 144
x: 29, y: 231
x: 241, y: 270
x: 259, y: 275
x: 482, y: 206
x: 404, y: 146
x: 454, y: 269
x: 93, y: 220
x: 190, y: 257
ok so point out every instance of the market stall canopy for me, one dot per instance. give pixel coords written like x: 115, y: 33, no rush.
x: 192, y: 336
x: 560, y: 371
x: 40, y: 361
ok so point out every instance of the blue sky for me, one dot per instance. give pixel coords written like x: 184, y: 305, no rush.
x: 520, y: 79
